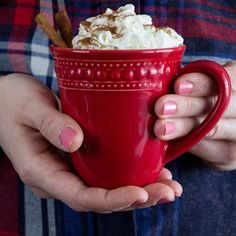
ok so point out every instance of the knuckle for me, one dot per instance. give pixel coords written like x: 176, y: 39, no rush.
x: 25, y: 175
x: 189, y: 106
x: 47, y: 123
x: 77, y: 201
x: 211, y: 102
x: 213, y: 133
x: 222, y: 130
x: 74, y: 204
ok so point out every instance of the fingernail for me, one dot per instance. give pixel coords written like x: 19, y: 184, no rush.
x: 67, y: 136
x: 166, y: 200
x: 178, y: 194
x: 185, y: 87
x: 169, y: 128
x: 169, y: 108
x: 138, y: 204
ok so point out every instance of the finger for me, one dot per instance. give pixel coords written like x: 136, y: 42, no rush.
x: 157, y: 193
x: 58, y: 128
x: 181, y: 106
x: 224, y: 129
x: 163, y: 191
x: 177, y: 188
x: 173, y: 128
x: 222, y: 154
x: 174, y: 106
x: 198, y: 84
x: 164, y: 195
x: 112, y: 200
x: 81, y: 198
x: 165, y: 174
x: 195, y: 84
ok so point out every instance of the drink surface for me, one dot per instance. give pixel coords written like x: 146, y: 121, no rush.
x: 124, y: 29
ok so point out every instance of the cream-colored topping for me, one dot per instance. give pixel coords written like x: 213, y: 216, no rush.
x: 123, y: 29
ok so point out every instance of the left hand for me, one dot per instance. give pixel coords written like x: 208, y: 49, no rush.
x: 33, y: 134
x: 179, y: 113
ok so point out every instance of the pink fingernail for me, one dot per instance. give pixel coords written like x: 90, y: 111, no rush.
x: 137, y: 204
x: 169, y: 128
x: 166, y: 200
x: 185, y: 87
x: 67, y: 136
x: 169, y: 108
x: 178, y: 194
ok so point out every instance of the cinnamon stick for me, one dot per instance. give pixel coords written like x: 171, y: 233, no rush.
x: 50, y: 31
x: 64, y: 27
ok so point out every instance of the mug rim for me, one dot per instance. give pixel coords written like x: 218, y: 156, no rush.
x: 108, y: 51
x: 116, y: 54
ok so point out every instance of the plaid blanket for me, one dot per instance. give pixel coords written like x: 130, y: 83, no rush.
x: 207, y: 206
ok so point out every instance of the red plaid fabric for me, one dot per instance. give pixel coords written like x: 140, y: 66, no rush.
x: 8, y: 199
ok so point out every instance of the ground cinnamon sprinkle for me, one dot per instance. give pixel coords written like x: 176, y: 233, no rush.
x: 86, y: 24
x: 86, y: 41
x: 101, y: 28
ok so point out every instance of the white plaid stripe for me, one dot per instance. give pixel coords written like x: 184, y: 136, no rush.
x: 33, y: 214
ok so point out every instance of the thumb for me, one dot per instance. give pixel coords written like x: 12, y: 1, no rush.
x: 61, y: 130
x: 58, y: 128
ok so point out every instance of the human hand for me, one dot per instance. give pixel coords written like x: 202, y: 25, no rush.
x: 33, y: 130
x: 179, y: 113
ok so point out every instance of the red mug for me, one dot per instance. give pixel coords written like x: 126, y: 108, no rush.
x: 111, y: 94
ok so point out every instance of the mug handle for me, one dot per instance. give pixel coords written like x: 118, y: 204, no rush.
x: 219, y: 74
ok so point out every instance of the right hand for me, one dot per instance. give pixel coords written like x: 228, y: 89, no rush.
x: 33, y: 130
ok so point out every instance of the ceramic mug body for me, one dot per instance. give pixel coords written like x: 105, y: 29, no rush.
x: 111, y: 94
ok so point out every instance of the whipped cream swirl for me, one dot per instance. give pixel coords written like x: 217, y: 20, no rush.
x: 124, y: 29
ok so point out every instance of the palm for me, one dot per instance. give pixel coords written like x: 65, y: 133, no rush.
x: 34, y: 151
